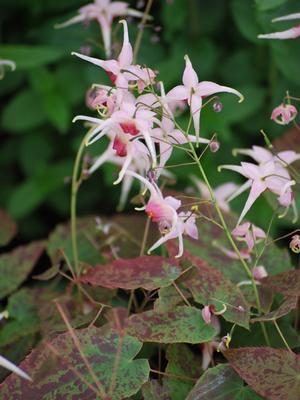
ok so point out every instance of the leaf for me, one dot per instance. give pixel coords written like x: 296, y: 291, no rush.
x: 147, y: 272
x: 154, y: 390
x: 209, y: 286
x: 265, y: 296
x: 221, y: 383
x: 272, y: 373
x: 168, y: 298
x: 26, y: 56
x: 181, y: 362
x: 8, y: 228
x: 265, y: 5
x: 287, y: 283
x: 287, y: 58
x: 26, y: 105
x: 181, y: 325
x: 17, y: 265
x: 289, y: 304
x: 53, y: 377
x: 244, y: 16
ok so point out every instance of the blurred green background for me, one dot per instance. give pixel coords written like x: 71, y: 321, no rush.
x: 39, y: 99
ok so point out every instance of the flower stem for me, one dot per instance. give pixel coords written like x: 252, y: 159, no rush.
x: 74, y: 191
x: 281, y: 335
x: 138, y: 41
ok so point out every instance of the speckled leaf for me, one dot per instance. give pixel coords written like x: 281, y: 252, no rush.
x: 168, y: 298
x: 181, y: 325
x: 153, y: 390
x: 221, y: 383
x: 289, y: 304
x: 8, y: 228
x: 287, y: 283
x: 209, y: 286
x: 272, y: 373
x: 181, y: 362
x: 17, y: 265
x: 265, y: 296
x: 54, y: 377
x: 148, y: 272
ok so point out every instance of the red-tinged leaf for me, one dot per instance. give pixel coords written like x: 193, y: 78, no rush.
x: 154, y: 390
x: 147, y: 272
x: 17, y: 265
x: 221, y: 383
x: 8, y: 228
x: 181, y: 325
x: 287, y: 283
x: 272, y: 373
x: 289, y: 304
x: 168, y: 298
x: 182, y: 362
x: 53, y: 374
x: 265, y: 296
x: 209, y: 286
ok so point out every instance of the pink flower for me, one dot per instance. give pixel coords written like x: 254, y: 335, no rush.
x: 268, y: 176
x: 102, y: 98
x: 206, y: 314
x: 209, y: 348
x: 295, y: 244
x: 163, y: 211
x: 284, y: 114
x: 262, y: 155
x: 103, y: 11
x: 221, y: 192
x: 194, y: 91
x: 121, y: 71
x: 259, y: 273
x: 292, y: 33
x: 249, y: 233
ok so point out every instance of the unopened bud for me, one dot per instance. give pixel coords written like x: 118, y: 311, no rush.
x: 214, y: 146
x: 295, y: 244
x: 217, y: 106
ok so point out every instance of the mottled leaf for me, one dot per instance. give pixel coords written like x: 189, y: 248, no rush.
x: 287, y: 283
x: 17, y: 265
x: 221, y: 383
x: 8, y: 228
x: 209, y: 286
x: 181, y: 325
x: 272, y: 373
x: 289, y: 304
x: 148, y: 272
x: 265, y: 296
x: 153, y: 390
x: 168, y: 298
x: 54, y: 375
x: 182, y: 362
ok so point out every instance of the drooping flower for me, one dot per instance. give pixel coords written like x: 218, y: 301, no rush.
x: 194, y: 91
x: 292, y: 33
x: 249, y: 233
x: 104, y: 12
x: 121, y: 71
x: 221, y: 192
x: 9, y: 63
x: 103, y: 99
x: 208, y: 348
x: 295, y: 244
x: 284, y: 114
x: 163, y: 211
x: 5, y: 363
x: 259, y: 272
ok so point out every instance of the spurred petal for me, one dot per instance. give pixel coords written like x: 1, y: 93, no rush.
x: 179, y: 92
x: 71, y: 21
x: 292, y: 33
x: 196, y: 104
x: 287, y: 17
x: 13, y: 368
x: 190, y: 78
x: 106, y: 34
x: 207, y: 88
x: 92, y: 60
x: 125, y: 57
x: 258, y: 187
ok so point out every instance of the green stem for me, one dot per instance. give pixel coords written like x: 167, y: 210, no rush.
x: 281, y: 335
x: 229, y: 236
x: 74, y: 191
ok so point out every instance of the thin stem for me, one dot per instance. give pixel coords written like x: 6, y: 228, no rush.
x: 74, y: 191
x: 145, y: 237
x: 139, y: 37
x: 281, y: 335
x: 182, y: 378
x: 181, y: 294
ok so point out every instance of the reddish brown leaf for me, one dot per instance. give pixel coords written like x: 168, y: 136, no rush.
x: 272, y: 373
x: 289, y: 304
x: 287, y: 283
x: 8, y: 228
x: 148, y: 272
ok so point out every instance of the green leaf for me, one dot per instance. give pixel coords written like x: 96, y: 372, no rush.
x: 168, y: 298
x: 17, y: 265
x: 221, y: 383
x: 8, y: 228
x: 181, y: 362
x: 265, y: 5
x: 287, y: 58
x: 109, y: 356
x: 181, y: 325
x: 272, y: 373
x: 289, y: 304
x: 24, y: 112
x: 27, y: 57
x: 148, y: 272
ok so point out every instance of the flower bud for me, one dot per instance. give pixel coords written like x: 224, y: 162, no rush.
x: 214, y: 146
x: 295, y: 244
x: 259, y: 273
x: 217, y: 106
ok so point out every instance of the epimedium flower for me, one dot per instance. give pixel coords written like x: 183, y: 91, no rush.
x: 262, y: 155
x: 194, y: 91
x: 8, y: 63
x: 295, y: 244
x: 284, y: 114
x: 121, y: 71
x: 104, y: 12
x: 291, y: 33
x: 248, y: 233
x: 163, y: 211
x: 267, y: 176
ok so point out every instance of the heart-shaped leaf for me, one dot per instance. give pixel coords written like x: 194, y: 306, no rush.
x: 107, y: 369
x: 8, y: 228
x: 147, y: 272
x: 273, y: 373
x: 287, y: 283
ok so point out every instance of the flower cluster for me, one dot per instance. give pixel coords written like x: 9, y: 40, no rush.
x: 136, y: 116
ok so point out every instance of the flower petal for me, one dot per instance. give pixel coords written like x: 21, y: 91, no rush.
x: 190, y: 78
x: 207, y: 88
